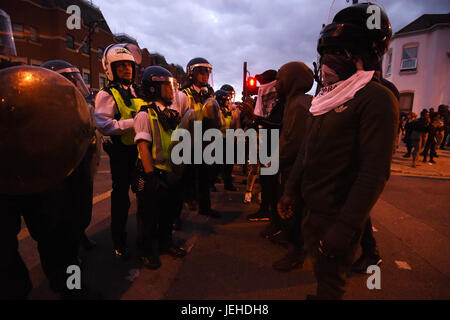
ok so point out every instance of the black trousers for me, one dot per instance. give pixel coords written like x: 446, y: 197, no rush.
x: 368, y: 242
x: 202, y: 173
x: 156, y: 211
x: 53, y: 222
x: 122, y: 162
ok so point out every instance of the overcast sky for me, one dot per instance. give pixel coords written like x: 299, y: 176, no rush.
x: 265, y: 33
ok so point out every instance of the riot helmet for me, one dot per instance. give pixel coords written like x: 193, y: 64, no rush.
x: 158, y: 84
x: 119, y: 53
x: 349, y: 31
x: 199, y: 71
x: 70, y: 72
x: 230, y: 90
x: 7, y: 46
x: 223, y: 98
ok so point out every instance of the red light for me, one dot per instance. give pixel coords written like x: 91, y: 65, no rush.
x: 251, y: 82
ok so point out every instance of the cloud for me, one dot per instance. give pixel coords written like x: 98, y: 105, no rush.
x: 264, y: 33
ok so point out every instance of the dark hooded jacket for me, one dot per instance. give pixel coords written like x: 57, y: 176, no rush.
x: 293, y: 80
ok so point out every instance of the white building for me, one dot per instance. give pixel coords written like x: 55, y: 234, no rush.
x: 418, y: 63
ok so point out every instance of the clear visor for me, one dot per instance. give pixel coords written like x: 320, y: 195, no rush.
x: 76, y: 79
x: 232, y: 96
x: 203, y: 73
x: 169, y: 91
x: 7, y: 46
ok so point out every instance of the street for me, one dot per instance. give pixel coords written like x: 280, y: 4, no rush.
x: 228, y: 259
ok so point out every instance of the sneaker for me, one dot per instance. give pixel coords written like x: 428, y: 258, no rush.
x: 361, y: 265
x: 258, y: 216
x: 293, y: 260
x: 248, y: 197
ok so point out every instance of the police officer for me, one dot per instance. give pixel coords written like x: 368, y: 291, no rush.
x: 33, y: 176
x: 195, y: 93
x: 82, y: 180
x: 115, y: 106
x: 153, y: 126
x: 226, y: 117
x: 344, y: 162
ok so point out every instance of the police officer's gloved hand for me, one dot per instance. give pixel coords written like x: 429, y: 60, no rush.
x: 153, y: 182
x: 334, y: 243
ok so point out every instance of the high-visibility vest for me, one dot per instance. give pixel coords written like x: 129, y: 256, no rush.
x: 225, y: 122
x: 127, y: 112
x: 161, y: 141
x: 197, y: 106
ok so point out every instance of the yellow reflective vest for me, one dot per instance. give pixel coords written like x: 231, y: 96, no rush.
x: 197, y: 106
x: 127, y: 112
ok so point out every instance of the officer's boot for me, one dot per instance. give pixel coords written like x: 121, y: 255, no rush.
x: 368, y: 258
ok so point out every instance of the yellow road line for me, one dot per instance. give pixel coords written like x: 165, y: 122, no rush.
x: 23, y: 234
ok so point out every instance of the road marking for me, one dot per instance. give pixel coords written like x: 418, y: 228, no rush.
x: 403, y: 265
x: 24, y: 233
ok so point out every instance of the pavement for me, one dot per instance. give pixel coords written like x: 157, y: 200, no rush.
x: 403, y: 166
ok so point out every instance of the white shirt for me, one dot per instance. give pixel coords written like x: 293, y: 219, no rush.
x: 105, y: 109
x: 142, y: 125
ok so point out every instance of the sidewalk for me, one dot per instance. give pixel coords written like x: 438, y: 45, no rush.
x: 403, y: 166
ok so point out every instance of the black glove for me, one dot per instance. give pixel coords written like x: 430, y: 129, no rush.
x: 334, y: 243
x: 154, y: 182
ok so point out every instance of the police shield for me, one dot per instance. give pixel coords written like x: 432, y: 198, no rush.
x: 45, y: 129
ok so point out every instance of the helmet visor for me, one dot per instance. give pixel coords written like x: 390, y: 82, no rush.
x: 169, y: 91
x: 7, y: 46
x: 203, y: 70
x: 73, y: 74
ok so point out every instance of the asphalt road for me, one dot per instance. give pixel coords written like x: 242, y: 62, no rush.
x: 229, y: 260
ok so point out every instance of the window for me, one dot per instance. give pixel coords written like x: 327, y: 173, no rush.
x: 84, y: 48
x: 389, y: 63
x: 409, y: 58
x: 100, y: 53
x: 18, y: 31
x: 87, y: 78
x: 34, y: 34
x: 102, y: 82
x: 406, y: 102
x: 70, y: 43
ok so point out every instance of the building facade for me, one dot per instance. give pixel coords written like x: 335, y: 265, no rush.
x: 418, y: 63
x: 42, y: 33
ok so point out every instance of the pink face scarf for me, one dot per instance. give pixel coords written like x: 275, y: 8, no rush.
x: 336, y: 94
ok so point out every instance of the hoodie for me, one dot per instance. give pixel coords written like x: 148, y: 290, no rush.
x: 293, y: 80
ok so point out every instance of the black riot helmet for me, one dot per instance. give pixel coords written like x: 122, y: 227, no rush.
x: 70, y: 72
x: 199, y: 65
x: 230, y: 90
x: 158, y: 84
x: 7, y: 46
x: 351, y: 30
x: 222, y: 97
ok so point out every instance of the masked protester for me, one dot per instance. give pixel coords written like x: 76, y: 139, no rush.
x: 195, y: 93
x: 115, y: 107
x: 35, y: 170
x: 154, y: 125
x: 82, y: 180
x: 344, y: 161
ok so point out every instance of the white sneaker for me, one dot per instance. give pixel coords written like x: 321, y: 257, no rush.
x: 248, y: 197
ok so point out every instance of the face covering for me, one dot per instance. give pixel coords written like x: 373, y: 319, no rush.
x: 336, y: 66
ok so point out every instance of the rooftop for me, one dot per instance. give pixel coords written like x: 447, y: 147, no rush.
x: 424, y: 22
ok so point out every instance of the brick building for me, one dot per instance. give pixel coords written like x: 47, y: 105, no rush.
x: 41, y: 34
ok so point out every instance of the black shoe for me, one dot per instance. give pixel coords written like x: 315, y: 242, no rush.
x: 174, y: 251
x: 230, y: 187
x: 258, y: 216
x: 435, y: 156
x: 432, y: 161
x: 406, y: 155
x: 424, y: 160
x: 151, y: 262
x: 121, y: 253
x: 291, y: 261
x: 442, y: 148
x: 361, y: 265
x: 177, y: 225
x: 87, y: 244
x: 210, y: 213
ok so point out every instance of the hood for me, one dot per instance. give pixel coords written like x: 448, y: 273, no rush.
x: 294, y: 78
